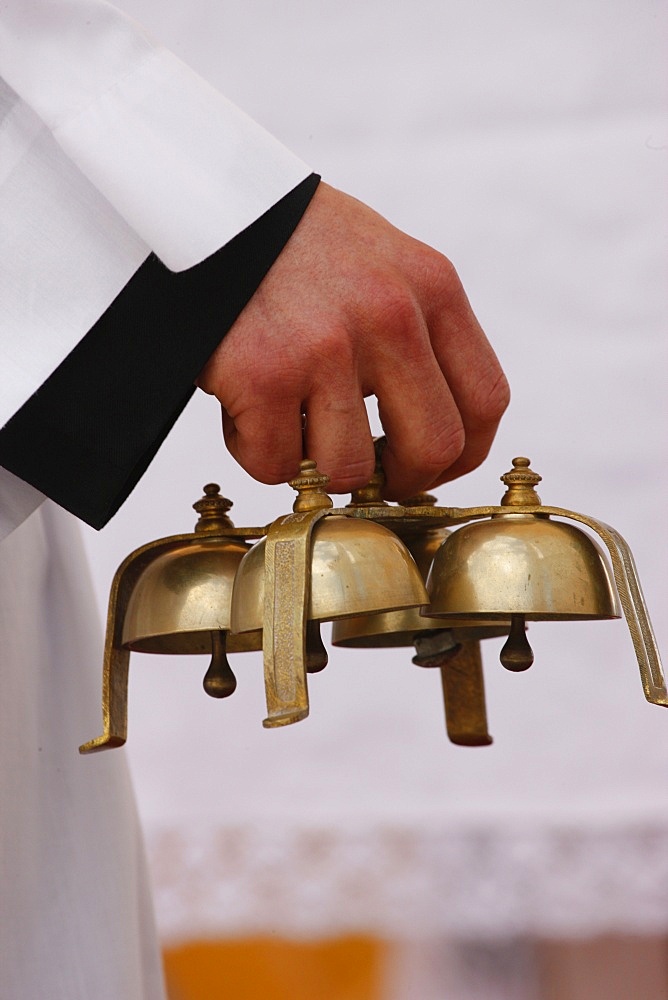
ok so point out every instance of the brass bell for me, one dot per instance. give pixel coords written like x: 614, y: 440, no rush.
x: 209, y: 590
x: 391, y: 629
x: 354, y: 567
x: 521, y: 564
x: 181, y: 601
x: 451, y: 647
x: 387, y: 629
x: 174, y: 596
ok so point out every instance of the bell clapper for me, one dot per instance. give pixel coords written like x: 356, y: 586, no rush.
x: 517, y: 654
x: 387, y: 575
x: 316, y: 654
x: 219, y: 681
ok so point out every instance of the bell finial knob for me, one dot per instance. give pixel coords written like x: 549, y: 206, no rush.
x: 212, y: 509
x: 310, y: 485
x: 371, y: 494
x: 521, y: 482
x: 420, y: 500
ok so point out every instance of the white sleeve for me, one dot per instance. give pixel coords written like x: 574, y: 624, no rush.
x: 110, y: 148
x: 184, y: 167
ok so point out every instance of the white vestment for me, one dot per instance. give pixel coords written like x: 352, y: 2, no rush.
x: 110, y: 148
x: 77, y: 919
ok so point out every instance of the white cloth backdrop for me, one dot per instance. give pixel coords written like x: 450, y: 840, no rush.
x: 529, y: 143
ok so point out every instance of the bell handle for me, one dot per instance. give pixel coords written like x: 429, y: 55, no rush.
x: 460, y: 666
x: 286, y: 599
x: 464, y: 697
x: 632, y: 601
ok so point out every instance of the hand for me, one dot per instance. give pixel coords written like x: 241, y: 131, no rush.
x: 354, y: 307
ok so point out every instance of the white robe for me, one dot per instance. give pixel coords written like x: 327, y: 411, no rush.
x: 110, y: 148
x: 77, y: 917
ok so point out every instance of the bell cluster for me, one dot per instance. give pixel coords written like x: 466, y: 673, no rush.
x: 386, y: 575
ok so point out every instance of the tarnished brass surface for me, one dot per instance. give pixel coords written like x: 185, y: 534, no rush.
x: 285, y: 597
x: 356, y: 568
x: 511, y: 563
x: 158, y: 626
x: 389, y: 629
x: 183, y: 595
x: 521, y: 564
x: 464, y: 697
x: 460, y: 667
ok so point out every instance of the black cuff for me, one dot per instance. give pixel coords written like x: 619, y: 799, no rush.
x: 87, y: 435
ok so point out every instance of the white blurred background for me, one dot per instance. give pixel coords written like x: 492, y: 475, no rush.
x: 528, y: 142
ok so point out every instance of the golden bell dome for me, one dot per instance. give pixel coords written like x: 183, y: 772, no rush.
x: 181, y: 595
x: 391, y: 629
x: 357, y: 567
x: 521, y: 565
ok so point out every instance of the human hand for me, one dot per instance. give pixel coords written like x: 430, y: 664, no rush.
x: 353, y: 307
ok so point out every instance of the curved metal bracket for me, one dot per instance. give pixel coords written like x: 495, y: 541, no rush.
x: 626, y: 579
x: 287, y: 586
x: 116, y: 664
x: 633, y: 604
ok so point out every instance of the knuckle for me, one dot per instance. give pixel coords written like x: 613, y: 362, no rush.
x: 440, y: 277
x: 267, y: 379
x: 471, y: 460
x: 443, y: 448
x: 328, y: 349
x: 394, y: 308
x: 270, y: 471
x: 349, y: 475
x: 492, y: 398
x: 442, y: 271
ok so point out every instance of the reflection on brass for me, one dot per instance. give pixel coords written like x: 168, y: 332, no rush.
x: 344, y: 567
x: 356, y: 567
x: 521, y: 564
x: 363, y: 567
x: 389, y: 629
x: 171, y: 596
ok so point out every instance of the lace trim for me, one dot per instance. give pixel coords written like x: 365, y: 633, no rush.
x: 397, y: 882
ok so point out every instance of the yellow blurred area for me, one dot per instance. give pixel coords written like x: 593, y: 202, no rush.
x: 275, y: 969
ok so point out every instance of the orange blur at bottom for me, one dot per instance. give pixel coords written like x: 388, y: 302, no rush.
x: 275, y: 969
